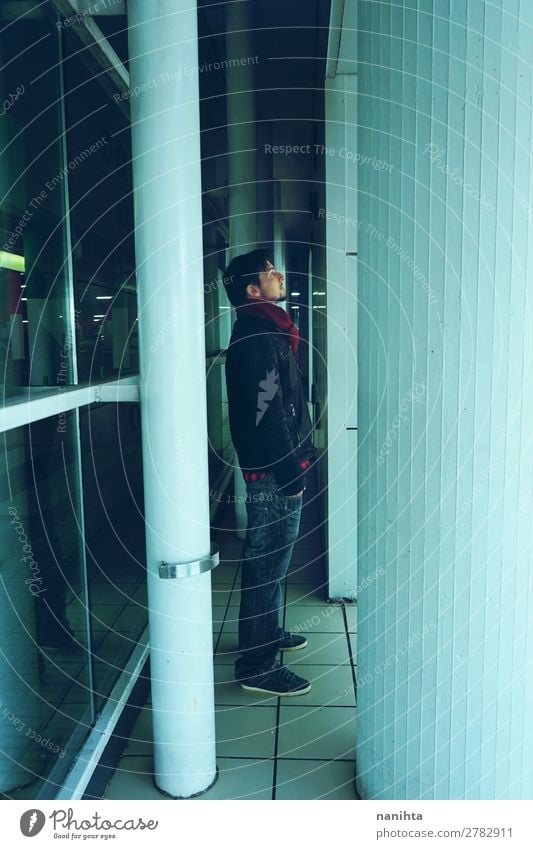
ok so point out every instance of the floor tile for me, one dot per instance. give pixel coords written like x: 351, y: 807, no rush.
x: 132, y: 618
x: 312, y: 620
x: 220, y: 599
x: 133, y: 779
x: 320, y: 733
x: 351, y: 613
x: 306, y: 594
x: 224, y: 576
x: 141, y: 737
x: 329, y: 649
x: 231, y: 620
x: 102, y: 615
x: 247, y: 732
x: 228, y: 545
x: 353, y: 643
x: 315, y: 779
x: 222, y: 587
x: 227, y: 648
x: 141, y: 595
x: 241, y: 778
x: 307, y: 575
x: 219, y: 614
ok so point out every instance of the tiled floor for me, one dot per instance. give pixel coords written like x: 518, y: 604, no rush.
x: 272, y: 748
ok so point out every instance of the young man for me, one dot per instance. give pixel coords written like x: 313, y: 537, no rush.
x: 272, y: 434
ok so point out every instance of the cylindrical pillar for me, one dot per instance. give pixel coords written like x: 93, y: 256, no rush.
x: 168, y: 237
x: 241, y: 129
x: 265, y: 185
x: 242, y: 164
x: 279, y: 233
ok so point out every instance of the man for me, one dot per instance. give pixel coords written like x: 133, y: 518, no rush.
x: 272, y: 434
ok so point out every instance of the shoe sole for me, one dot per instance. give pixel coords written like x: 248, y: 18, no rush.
x: 301, y: 692
x: 294, y: 648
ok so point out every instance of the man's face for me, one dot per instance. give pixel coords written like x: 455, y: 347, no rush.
x: 271, y: 286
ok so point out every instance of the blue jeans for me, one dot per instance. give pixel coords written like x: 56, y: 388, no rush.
x: 273, y: 526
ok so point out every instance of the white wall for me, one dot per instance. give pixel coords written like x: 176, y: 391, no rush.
x: 341, y: 317
x: 337, y: 298
x: 445, y: 648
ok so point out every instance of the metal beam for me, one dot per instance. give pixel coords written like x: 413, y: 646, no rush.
x: 41, y: 402
x: 334, y: 38
x: 94, y: 39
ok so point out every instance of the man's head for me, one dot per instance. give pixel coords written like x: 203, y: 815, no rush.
x: 252, y: 277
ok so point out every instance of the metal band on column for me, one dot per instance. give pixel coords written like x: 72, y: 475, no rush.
x: 193, y: 567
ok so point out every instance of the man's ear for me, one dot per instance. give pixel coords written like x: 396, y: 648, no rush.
x: 253, y: 291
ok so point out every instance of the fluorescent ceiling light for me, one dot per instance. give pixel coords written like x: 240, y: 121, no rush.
x: 13, y: 262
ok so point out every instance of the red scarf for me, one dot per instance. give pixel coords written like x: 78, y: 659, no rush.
x: 269, y: 311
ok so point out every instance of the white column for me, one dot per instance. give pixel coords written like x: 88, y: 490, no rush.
x: 265, y: 185
x: 168, y: 220
x: 241, y: 130
x: 310, y: 340
x: 280, y: 253
x: 242, y: 165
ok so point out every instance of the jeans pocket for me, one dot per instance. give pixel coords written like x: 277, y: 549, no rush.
x: 291, y: 508
x: 291, y: 500
x: 257, y: 529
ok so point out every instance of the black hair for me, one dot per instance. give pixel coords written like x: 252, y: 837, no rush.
x: 242, y: 271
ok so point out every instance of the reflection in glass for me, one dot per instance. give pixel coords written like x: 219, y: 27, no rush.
x: 35, y: 339
x: 100, y: 190
x: 44, y: 671
x: 114, y: 529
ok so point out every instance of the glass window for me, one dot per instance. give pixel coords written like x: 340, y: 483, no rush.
x: 35, y: 334
x: 114, y: 531
x: 101, y: 215
x: 45, y: 695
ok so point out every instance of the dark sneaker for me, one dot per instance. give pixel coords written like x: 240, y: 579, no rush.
x: 292, y: 642
x: 278, y: 681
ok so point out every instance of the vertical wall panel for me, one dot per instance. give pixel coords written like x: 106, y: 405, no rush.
x: 445, y: 461
x: 341, y: 334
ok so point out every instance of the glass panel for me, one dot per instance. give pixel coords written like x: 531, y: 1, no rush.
x: 114, y: 529
x: 35, y: 341
x: 100, y: 185
x: 45, y: 697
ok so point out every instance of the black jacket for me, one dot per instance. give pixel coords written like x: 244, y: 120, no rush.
x: 269, y: 420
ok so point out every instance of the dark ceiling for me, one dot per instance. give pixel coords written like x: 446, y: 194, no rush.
x: 290, y: 39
